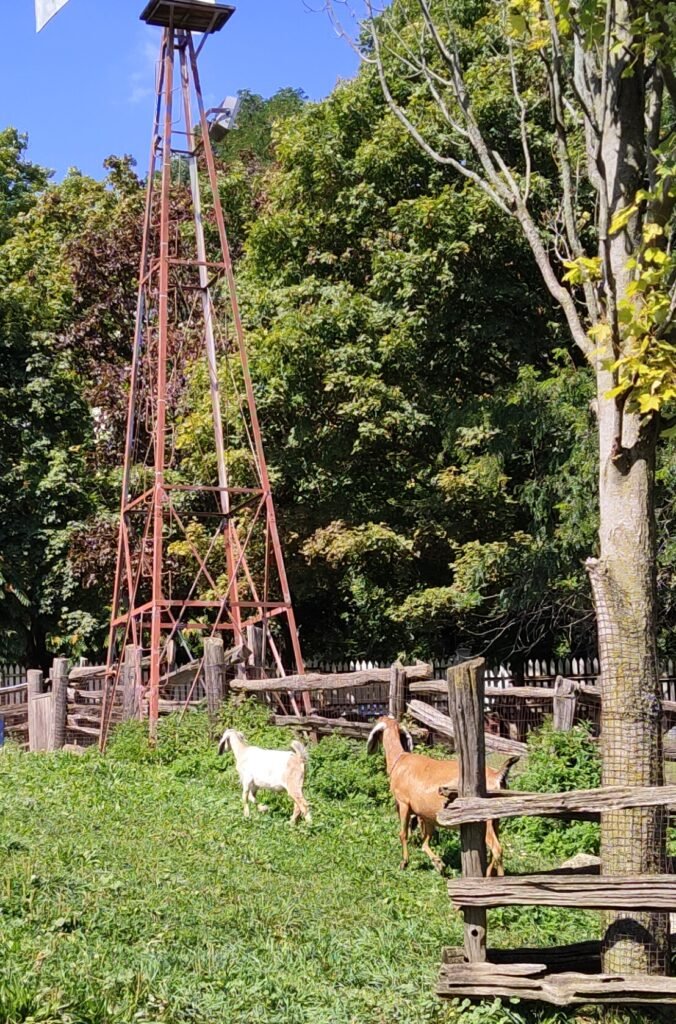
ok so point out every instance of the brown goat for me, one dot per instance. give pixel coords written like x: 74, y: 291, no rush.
x: 415, y: 781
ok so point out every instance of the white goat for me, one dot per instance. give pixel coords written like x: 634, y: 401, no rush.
x: 268, y: 769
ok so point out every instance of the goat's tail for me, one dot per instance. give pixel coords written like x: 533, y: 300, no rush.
x: 299, y: 749
x: 505, y: 770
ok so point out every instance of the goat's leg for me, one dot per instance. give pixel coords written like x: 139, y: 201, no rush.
x: 253, y: 793
x: 300, y: 804
x: 247, y: 795
x: 495, y: 846
x: 404, y: 818
x: 428, y: 831
x: 305, y: 809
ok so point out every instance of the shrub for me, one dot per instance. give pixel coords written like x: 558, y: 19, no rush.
x: 558, y: 762
x: 341, y: 768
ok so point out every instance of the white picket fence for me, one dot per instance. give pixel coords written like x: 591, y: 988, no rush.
x: 12, y: 683
x: 535, y: 672
x: 12, y: 675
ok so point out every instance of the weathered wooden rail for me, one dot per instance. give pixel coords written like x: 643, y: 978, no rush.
x: 442, y: 724
x: 553, y: 889
x: 542, y: 982
x: 513, y: 804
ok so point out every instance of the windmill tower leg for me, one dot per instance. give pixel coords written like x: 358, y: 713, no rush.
x: 196, y: 557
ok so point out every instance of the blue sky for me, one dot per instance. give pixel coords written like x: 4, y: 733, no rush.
x: 82, y: 88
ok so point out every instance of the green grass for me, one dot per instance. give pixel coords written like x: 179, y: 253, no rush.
x: 132, y: 890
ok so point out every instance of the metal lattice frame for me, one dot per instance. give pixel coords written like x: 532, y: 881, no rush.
x: 193, y: 558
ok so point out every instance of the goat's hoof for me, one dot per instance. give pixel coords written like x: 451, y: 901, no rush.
x: 263, y: 808
x: 403, y: 865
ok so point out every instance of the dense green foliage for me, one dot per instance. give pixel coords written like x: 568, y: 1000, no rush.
x: 432, y: 447
x: 133, y: 889
x: 558, y: 762
x: 52, y: 475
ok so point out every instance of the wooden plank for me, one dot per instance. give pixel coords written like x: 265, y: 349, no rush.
x: 19, y: 688
x: 589, y: 892
x: 87, y: 672
x: 40, y: 722
x: 466, y: 702
x: 511, y: 804
x: 529, y: 982
x: 325, y: 726
x: 333, y: 681
x: 12, y: 711
x: 542, y: 693
x: 437, y: 721
x: 182, y: 675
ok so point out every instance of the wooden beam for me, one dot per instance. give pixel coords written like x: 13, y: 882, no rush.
x: 332, y: 681
x: 325, y: 726
x: 531, y: 982
x: 87, y: 672
x: 438, y: 722
x: 586, y: 892
x: 510, y: 804
x: 13, y: 689
x: 9, y: 711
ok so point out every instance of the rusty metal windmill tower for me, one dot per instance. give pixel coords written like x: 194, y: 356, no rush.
x: 196, y: 558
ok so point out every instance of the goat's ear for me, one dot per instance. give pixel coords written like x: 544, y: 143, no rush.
x: 374, y: 736
x: 224, y: 744
x: 406, y: 739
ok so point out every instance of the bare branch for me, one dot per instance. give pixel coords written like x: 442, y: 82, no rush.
x: 497, y: 181
x: 555, y: 75
x: 523, y: 114
x: 556, y: 289
x: 448, y: 161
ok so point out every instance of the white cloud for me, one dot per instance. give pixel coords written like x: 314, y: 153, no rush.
x: 141, y: 81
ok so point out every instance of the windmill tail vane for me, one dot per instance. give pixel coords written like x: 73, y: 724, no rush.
x: 45, y: 11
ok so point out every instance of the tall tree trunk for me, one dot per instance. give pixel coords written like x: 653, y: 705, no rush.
x: 623, y: 583
x: 623, y: 578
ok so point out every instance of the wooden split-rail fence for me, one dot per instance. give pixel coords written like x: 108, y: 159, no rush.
x: 345, y: 697
x: 565, y: 975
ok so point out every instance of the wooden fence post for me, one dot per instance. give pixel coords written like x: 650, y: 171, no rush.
x: 466, y: 698
x: 254, y: 641
x: 35, y: 682
x: 397, y: 691
x: 39, y: 712
x: 564, y: 703
x: 59, y: 702
x: 132, y: 682
x: 214, y: 677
